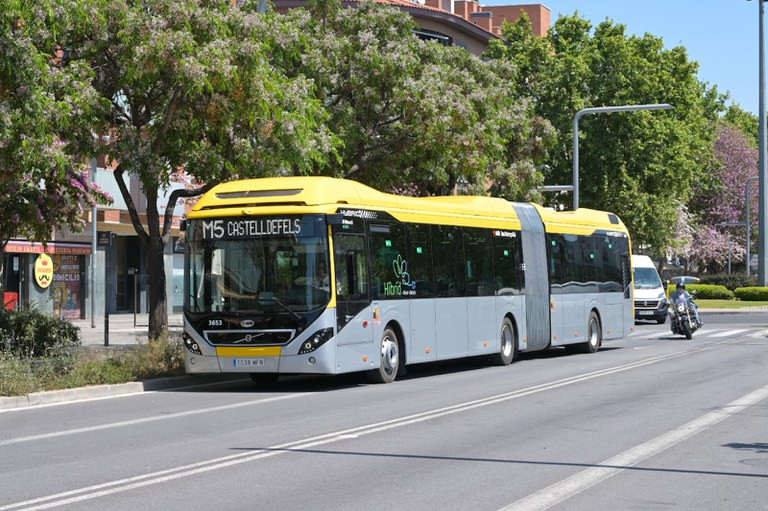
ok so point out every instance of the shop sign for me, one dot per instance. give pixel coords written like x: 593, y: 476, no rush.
x: 28, y: 247
x: 43, y: 270
x: 103, y: 238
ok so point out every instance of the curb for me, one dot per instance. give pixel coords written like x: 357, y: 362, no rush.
x: 52, y: 397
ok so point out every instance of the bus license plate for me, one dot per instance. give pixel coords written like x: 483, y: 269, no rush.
x: 248, y: 362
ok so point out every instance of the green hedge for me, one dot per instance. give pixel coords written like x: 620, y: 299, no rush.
x: 709, y: 291
x: 731, y: 281
x: 751, y: 294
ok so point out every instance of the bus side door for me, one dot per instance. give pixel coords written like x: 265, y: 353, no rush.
x: 354, y: 318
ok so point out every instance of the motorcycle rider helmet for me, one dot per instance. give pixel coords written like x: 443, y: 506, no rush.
x: 681, y: 285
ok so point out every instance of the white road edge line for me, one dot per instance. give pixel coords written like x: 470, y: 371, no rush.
x: 567, y: 488
x: 139, y: 481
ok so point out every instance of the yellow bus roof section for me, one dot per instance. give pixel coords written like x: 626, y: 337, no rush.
x: 292, y: 195
x: 298, y: 195
x: 582, y: 221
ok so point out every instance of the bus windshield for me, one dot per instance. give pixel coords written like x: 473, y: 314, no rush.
x: 257, y: 265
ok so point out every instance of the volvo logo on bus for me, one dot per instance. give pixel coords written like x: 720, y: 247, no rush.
x: 246, y: 323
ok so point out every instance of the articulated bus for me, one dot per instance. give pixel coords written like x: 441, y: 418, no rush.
x: 318, y: 275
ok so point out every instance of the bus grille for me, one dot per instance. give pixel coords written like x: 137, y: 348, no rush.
x: 248, y: 337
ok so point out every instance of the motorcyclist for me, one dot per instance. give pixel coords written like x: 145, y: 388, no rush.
x: 679, y: 292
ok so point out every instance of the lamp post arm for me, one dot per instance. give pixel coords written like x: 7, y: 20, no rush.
x: 600, y: 110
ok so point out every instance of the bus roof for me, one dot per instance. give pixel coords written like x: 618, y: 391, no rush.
x: 295, y: 195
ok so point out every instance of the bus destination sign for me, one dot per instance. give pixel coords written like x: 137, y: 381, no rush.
x: 250, y: 228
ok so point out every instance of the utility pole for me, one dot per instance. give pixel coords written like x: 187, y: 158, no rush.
x: 762, y: 242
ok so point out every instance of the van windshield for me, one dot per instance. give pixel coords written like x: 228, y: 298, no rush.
x: 646, y: 278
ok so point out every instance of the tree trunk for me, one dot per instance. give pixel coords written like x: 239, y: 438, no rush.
x: 158, y: 300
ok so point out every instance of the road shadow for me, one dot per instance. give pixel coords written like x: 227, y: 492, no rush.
x: 759, y: 447
x: 305, y: 383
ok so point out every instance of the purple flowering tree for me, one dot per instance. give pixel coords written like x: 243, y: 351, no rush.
x: 721, y: 198
x: 46, y: 110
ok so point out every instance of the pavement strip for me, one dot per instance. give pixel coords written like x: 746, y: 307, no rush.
x: 158, y: 477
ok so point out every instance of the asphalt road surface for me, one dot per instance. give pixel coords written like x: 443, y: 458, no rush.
x: 649, y: 422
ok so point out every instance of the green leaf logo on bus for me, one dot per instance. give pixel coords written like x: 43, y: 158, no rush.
x: 404, y: 286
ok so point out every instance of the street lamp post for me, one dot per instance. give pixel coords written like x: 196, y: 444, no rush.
x: 94, y: 233
x: 747, y: 219
x: 599, y: 110
x: 762, y: 244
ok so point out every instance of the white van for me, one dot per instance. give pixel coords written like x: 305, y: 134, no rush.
x: 650, y: 293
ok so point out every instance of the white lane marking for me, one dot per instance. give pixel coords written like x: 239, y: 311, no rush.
x: 728, y: 333
x: 758, y: 334
x: 567, y: 488
x: 143, y: 420
x: 130, y: 483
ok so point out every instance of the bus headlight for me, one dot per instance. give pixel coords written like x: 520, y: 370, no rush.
x: 191, y: 344
x: 315, y: 340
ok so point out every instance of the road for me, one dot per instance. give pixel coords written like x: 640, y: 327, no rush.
x: 649, y: 422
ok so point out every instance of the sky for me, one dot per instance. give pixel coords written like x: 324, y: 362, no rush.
x: 721, y: 35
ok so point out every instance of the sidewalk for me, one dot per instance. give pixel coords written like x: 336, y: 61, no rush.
x: 123, y: 329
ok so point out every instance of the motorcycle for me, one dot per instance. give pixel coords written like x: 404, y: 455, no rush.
x: 683, y: 319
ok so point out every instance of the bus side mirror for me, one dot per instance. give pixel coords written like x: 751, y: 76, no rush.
x: 183, y: 225
x: 334, y: 219
x: 665, y: 285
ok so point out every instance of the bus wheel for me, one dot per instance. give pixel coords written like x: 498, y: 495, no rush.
x: 594, y: 335
x: 508, y: 351
x: 390, y: 359
x: 264, y: 378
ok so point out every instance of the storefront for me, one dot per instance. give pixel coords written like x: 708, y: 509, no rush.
x: 53, y: 277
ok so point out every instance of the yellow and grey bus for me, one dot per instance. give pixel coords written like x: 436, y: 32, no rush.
x: 318, y: 275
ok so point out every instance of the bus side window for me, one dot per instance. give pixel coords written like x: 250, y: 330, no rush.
x: 449, y: 262
x: 419, y: 256
x: 479, y: 266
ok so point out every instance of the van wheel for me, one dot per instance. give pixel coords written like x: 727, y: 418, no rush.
x: 508, y: 350
x: 390, y: 359
x: 661, y: 321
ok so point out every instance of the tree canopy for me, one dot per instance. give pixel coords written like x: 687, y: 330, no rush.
x: 191, y: 85
x: 641, y: 165
x: 47, y: 111
x: 413, y: 114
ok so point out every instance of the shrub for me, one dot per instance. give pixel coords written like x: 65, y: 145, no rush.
x: 17, y: 376
x: 96, y: 372
x: 31, y: 333
x: 751, y: 294
x: 731, y: 281
x: 710, y: 292
x: 161, y: 357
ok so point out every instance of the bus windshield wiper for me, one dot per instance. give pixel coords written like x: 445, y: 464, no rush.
x: 283, y: 305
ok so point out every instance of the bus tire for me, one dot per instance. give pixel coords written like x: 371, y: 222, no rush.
x: 508, y: 350
x: 390, y: 359
x: 264, y: 379
x: 594, y: 335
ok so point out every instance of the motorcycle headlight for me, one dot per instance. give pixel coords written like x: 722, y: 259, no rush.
x: 681, y: 308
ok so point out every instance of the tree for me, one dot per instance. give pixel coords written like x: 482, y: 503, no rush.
x: 724, y: 200
x: 47, y: 111
x: 745, y: 121
x: 414, y: 114
x: 190, y: 85
x: 640, y: 165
